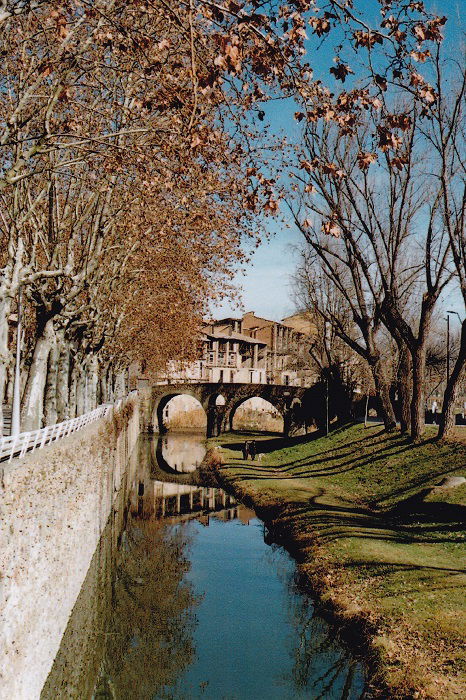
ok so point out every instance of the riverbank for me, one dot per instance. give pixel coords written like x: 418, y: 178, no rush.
x: 381, y: 547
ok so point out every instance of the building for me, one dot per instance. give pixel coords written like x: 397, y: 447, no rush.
x: 249, y: 350
x: 288, y: 346
x: 231, y: 356
x: 301, y: 322
x: 226, y: 356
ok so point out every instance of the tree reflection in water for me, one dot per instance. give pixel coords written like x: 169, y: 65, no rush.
x: 150, y: 635
x: 131, y: 629
x: 321, y: 667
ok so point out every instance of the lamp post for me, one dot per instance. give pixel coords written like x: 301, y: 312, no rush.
x: 16, y: 408
x: 326, y: 406
x: 448, y: 346
x: 448, y: 340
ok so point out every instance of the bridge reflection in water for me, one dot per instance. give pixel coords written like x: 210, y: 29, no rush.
x: 182, y: 452
x: 175, y: 459
x: 183, y: 501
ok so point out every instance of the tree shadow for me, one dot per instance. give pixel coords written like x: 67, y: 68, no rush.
x: 277, y: 442
x: 332, y: 521
x: 387, y: 568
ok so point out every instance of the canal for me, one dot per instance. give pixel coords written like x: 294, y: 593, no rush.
x: 187, y: 598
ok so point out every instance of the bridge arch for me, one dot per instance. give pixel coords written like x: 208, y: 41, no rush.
x: 211, y: 395
x: 160, y: 413
x: 244, y: 400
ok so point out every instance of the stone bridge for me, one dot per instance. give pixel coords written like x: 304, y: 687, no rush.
x: 299, y: 406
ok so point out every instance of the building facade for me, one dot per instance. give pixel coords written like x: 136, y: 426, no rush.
x: 226, y: 356
x: 288, y: 347
x: 231, y: 356
x: 249, y: 350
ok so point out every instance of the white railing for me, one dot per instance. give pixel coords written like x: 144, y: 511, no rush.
x: 18, y: 445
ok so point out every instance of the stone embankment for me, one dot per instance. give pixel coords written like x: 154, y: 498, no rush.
x: 54, y: 505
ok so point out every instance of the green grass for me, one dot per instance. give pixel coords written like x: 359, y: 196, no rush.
x: 376, y: 542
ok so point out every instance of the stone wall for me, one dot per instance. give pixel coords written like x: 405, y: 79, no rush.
x: 54, y: 505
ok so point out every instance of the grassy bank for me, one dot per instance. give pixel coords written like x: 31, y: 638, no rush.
x: 380, y: 547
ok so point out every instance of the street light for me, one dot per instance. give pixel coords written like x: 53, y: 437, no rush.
x: 448, y: 340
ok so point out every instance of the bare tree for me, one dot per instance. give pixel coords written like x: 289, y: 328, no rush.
x: 333, y: 289
x: 445, y: 134
x: 387, y: 215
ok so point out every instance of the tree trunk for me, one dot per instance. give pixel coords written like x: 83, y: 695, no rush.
x: 383, y: 393
x: 405, y: 387
x: 120, y: 384
x: 80, y: 389
x: 447, y: 421
x: 50, y: 399
x: 4, y: 353
x: 63, y: 381
x: 98, y: 390
x: 93, y: 380
x: 104, y: 383
x: 33, y: 399
x: 110, y: 384
x: 418, y: 401
x: 73, y: 388
x: 10, y: 383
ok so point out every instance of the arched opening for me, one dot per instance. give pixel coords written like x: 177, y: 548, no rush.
x: 220, y: 400
x: 180, y: 412
x: 256, y: 414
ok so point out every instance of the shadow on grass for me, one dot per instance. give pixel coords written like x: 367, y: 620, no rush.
x: 279, y: 441
x: 410, y: 520
x: 427, y: 523
x: 382, y: 570
x: 340, y: 460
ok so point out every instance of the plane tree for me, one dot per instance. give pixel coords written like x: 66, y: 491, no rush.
x: 140, y: 102
x: 445, y: 136
x: 330, y: 283
x: 380, y: 218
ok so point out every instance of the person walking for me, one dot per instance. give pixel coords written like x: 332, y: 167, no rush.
x: 246, y: 450
x: 252, y: 449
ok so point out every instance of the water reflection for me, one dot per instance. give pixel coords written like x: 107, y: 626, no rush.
x: 181, y: 452
x: 131, y: 629
x: 320, y: 662
x: 160, y: 499
x: 150, y: 632
x: 173, y: 609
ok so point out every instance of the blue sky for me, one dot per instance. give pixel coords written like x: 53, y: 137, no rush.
x: 266, y: 283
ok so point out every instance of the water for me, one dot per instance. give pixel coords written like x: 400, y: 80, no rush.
x: 182, y: 452
x: 184, y: 599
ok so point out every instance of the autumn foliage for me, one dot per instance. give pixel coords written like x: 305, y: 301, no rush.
x: 135, y: 164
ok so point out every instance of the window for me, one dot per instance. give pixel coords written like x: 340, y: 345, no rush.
x: 251, y: 377
x: 211, y: 358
